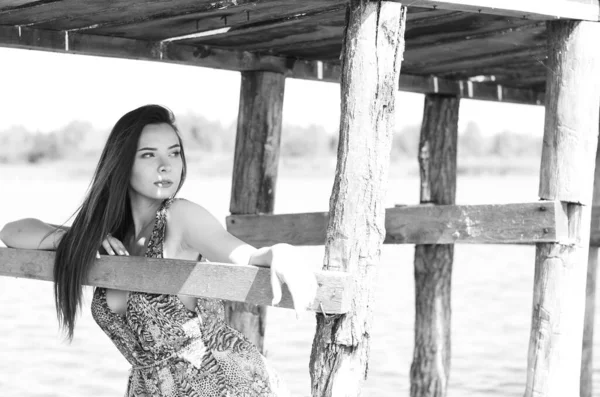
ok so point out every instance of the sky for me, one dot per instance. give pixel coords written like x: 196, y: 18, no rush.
x: 43, y: 91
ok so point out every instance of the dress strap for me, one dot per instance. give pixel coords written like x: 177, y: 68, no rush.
x: 154, y: 248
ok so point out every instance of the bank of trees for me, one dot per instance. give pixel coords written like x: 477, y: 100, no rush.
x: 80, y: 139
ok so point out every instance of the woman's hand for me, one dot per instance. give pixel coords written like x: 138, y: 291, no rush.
x: 112, y: 246
x: 287, y: 267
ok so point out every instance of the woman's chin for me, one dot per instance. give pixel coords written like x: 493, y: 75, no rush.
x: 161, y: 194
x: 164, y: 194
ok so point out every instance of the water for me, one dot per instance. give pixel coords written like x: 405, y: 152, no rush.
x: 491, y: 299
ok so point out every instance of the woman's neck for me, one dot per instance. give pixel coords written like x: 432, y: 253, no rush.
x: 143, y: 212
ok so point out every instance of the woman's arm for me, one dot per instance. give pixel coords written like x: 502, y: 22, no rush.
x: 32, y: 233
x: 201, y: 231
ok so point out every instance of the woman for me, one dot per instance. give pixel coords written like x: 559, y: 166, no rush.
x: 177, y: 345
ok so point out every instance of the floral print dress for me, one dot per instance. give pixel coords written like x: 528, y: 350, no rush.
x: 176, y: 352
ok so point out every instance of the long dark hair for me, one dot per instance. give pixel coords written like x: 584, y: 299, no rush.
x: 106, y: 209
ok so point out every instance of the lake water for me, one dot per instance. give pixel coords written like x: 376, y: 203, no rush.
x: 491, y: 298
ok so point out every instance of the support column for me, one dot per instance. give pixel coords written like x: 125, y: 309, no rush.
x: 255, y: 174
x: 371, y: 59
x: 566, y: 174
x: 430, y: 369
x: 587, y: 366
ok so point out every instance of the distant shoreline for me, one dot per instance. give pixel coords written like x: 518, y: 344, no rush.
x: 221, y: 165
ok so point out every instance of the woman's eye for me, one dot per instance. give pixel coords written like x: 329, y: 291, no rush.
x: 147, y: 155
x: 176, y: 153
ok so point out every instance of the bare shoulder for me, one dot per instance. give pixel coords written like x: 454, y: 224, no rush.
x: 184, y: 208
x: 196, y: 228
x: 183, y: 213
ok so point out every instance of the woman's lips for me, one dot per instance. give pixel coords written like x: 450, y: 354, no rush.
x: 163, y: 184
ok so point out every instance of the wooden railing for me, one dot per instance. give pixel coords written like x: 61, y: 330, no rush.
x: 168, y: 276
x: 528, y: 223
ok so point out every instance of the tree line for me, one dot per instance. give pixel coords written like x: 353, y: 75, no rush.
x: 79, y: 139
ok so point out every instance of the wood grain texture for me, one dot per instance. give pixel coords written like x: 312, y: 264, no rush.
x: 255, y: 175
x: 570, y: 139
x: 438, y: 144
x: 588, y: 10
x: 244, y: 16
x: 587, y: 352
x: 257, y: 143
x: 371, y: 61
x: 171, y: 276
x: 477, y: 42
x: 72, y: 14
x: 526, y: 223
x: 567, y: 174
x: 14, y: 5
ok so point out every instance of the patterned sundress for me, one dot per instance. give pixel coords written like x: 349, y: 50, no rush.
x: 176, y: 352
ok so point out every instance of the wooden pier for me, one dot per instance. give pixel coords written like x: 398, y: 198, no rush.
x: 519, y: 51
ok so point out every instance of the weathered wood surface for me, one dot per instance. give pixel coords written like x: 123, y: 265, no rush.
x: 372, y: 56
x: 257, y: 143
x: 587, y: 352
x: 440, y: 40
x: 135, y: 16
x: 255, y: 174
x: 588, y: 10
x: 526, y: 223
x: 567, y: 174
x: 171, y: 276
x: 430, y: 369
x: 567, y: 171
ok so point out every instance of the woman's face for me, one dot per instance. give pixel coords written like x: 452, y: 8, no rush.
x: 157, y: 167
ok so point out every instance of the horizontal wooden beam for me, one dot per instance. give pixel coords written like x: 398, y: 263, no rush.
x: 217, y: 58
x: 169, y: 276
x: 585, y: 10
x: 528, y: 223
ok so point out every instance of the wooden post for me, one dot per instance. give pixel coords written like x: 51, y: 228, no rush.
x: 255, y: 173
x: 371, y: 60
x: 433, y: 263
x: 567, y: 170
x: 587, y: 366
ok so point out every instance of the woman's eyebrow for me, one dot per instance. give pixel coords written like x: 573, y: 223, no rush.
x: 153, y: 148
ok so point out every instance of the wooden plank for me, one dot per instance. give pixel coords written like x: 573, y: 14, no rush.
x: 463, y: 64
x: 174, y: 23
x: 284, y: 33
x: 438, y: 144
x: 13, y: 5
x: 527, y: 223
x: 567, y: 174
x: 587, y: 10
x: 255, y: 164
x: 68, y: 14
x: 484, y: 45
x: 371, y: 60
x: 171, y: 276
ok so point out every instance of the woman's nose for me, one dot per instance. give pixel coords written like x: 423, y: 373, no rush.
x: 164, y: 167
